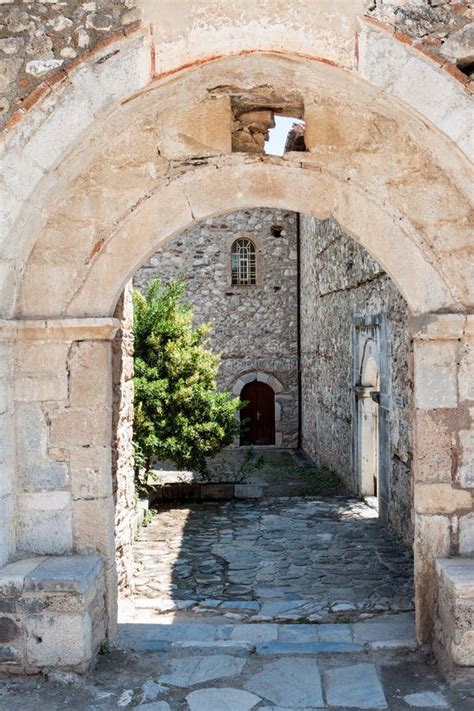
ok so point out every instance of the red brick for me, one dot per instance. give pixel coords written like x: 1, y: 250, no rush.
x: 379, y: 25
x: 35, y: 96
x: 436, y: 58
x: 404, y: 39
x: 456, y: 73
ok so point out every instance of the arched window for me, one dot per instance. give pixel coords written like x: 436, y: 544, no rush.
x: 244, y: 262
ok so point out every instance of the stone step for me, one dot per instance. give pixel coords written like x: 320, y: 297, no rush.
x: 269, y: 610
x: 387, y: 632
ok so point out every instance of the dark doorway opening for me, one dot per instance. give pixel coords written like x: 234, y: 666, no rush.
x: 258, y: 415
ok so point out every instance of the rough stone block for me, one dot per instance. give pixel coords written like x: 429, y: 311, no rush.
x: 45, y: 523
x: 30, y: 425
x: 466, y: 372
x: 58, y: 640
x: 89, y: 368
x: 201, y: 130
x: 93, y: 526
x: 435, y: 375
x: 44, y: 475
x: 12, y: 576
x: 89, y: 469
x: 74, y: 573
x: 121, y: 71
x: 59, y: 601
x: 41, y: 388
x: 432, y: 539
x: 441, y: 498
x: 71, y: 427
x: 454, y: 637
x: 433, y: 463
x: 217, y: 492
x: 59, y: 130
x: 393, y: 65
x: 466, y: 463
x: 34, y: 358
x: 248, y: 491
x: 466, y: 534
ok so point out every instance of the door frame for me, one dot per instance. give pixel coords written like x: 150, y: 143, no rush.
x: 278, y: 389
x: 375, y: 327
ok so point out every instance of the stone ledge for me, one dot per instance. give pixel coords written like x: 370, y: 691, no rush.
x: 458, y: 575
x: 454, y: 615
x: 61, y: 329
x: 52, y: 612
x: 64, y: 573
x: 434, y: 327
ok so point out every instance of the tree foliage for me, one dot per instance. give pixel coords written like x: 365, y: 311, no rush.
x: 179, y: 415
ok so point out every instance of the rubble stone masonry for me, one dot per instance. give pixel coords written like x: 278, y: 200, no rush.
x: 339, y: 281
x: 39, y: 38
x: 254, y: 328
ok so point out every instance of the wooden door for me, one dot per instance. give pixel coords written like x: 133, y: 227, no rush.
x: 258, y: 416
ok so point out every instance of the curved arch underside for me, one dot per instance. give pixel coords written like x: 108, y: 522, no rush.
x: 161, y: 160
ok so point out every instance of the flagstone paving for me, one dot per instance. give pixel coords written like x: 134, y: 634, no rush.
x: 279, y: 604
x: 275, y: 559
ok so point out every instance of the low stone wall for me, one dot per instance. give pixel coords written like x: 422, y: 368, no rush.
x: 454, y: 618
x: 194, y: 491
x: 52, y: 613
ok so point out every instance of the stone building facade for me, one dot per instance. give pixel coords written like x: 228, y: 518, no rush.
x: 254, y: 327
x: 340, y: 282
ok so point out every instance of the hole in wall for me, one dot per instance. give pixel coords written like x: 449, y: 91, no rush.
x: 286, y: 135
x: 266, y: 122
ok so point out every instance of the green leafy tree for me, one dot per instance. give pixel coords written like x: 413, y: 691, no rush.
x: 179, y: 415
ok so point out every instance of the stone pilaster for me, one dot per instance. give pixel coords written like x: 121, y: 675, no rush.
x: 61, y: 409
x: 443, y: 449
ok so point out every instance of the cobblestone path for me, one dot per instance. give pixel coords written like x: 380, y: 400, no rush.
x: 285, y: 558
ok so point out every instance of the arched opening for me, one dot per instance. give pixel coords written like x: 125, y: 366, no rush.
x: 313, y: 268
x: 66, y: 279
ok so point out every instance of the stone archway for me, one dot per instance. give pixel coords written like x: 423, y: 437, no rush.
x: 87, y: 202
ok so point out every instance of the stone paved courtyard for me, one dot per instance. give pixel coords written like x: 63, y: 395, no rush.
x: 283, y: 558
x: 284, y: 604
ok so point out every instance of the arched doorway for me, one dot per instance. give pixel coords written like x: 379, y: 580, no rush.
x: 258, y: 415
x: 70, y: 280
x: 371, y: 410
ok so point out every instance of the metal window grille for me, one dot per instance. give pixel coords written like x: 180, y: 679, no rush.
x: 244, y: 263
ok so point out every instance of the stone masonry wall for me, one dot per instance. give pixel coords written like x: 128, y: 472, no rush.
x: 339, y: 280
x: 254, y: 327
x: 38, y: 38
x: 443, y: 27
